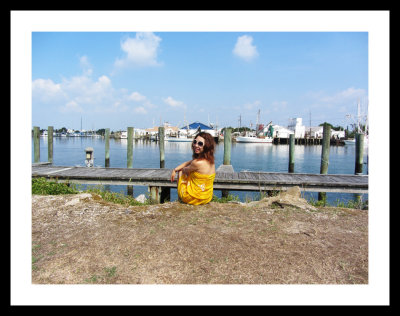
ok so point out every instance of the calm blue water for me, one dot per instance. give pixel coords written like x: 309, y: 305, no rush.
x: 70, y: 151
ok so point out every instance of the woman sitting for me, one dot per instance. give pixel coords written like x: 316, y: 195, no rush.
x: 196, y: 176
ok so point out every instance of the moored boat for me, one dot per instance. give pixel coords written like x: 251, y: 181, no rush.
x: 253, y: 139
x: 179, y: 139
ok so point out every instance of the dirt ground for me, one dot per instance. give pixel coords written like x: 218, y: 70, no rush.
x: 81, y: 239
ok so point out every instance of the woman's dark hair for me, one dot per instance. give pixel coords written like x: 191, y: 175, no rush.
x: 208, y: 148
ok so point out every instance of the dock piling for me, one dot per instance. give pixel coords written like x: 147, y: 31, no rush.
x: 129, y: 157
x: 164, y: 193
x: 107, y: 145
x: 227, y: 167
x: 50, y: 144
x: 129, y: 153
x: 359, y: 154
x: 36, y: 144
x: 291, y: 153
x: 325, y: 155
x: 227, y: 146
x: 161, y: 134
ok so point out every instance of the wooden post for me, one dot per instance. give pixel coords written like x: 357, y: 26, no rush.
x: 291, y: 153
x: 36, y: 144
x: 107, y: 155
x: 227, y: 146
x: 155, y: 194
x: 325, y: 149
x: 325, y: 155
x: 227, y: 157
x: 164, y: 192
x: 129, y: 157
x: 359, y: 153
x: 161, y: 135
x: 50, y: 144
x: 129, y: 154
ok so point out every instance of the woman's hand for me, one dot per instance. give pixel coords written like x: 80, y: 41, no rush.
x: 173, y: 173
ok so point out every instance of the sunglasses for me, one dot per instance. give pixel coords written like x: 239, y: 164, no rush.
x: 200, y: 144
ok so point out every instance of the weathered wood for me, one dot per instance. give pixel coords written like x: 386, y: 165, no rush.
x: 50, y: 144
x: 325, y: 149
x: 227, y: 146
x: 129, y: 157
x: 107, y: 148
x: 129, y: 152
x: 161, y: 144
x: 359, y: 153
x: 325, y: 155
x: 36, y: 144
x: 291, y: 153
x: 238, y: 181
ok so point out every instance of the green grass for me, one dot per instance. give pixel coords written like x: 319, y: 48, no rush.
x: 355, y: 204
x: 41, y: 186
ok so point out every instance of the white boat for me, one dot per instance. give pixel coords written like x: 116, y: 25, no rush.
x: 253, y: 139
x: 124, y: 135
x: 349, y: 141
x: 179, y: 139
x: 353, y: 141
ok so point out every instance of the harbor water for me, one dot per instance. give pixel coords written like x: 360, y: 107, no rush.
x: 70, y: 151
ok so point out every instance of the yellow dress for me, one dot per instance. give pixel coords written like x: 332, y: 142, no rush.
x: 196, y: 188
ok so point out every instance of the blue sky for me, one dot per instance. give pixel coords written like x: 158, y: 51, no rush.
x: 120, y: 79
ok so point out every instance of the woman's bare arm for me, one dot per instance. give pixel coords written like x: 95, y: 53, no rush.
x: 179, y: 168
x: 183, y: 165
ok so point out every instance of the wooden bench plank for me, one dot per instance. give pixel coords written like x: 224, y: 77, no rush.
x: 244, y: 180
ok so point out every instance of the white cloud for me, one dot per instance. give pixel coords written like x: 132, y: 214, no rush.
x: 79, y: 94
x: 174, y: 103
x: 345, y: 97
x: 85, y: 94
x: 244, y: 48
x: 85, y: 65
x: 140, y: 51
x: 46, y: 90
x: 136, y: 96
x: 71, y: 106
x: 140, y: 110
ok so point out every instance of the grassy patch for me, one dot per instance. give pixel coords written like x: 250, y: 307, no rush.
x: 229, y: 198
x: 354, y: 204
x: 41, y: 186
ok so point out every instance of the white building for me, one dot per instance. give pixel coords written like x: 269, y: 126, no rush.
x: 300, y: 131
x: 315, y: 132
x: 296, y: 125
x: 279, y: 131
x: 318, y: 132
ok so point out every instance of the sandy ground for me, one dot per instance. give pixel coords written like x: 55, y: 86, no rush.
x: 81, y: 239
